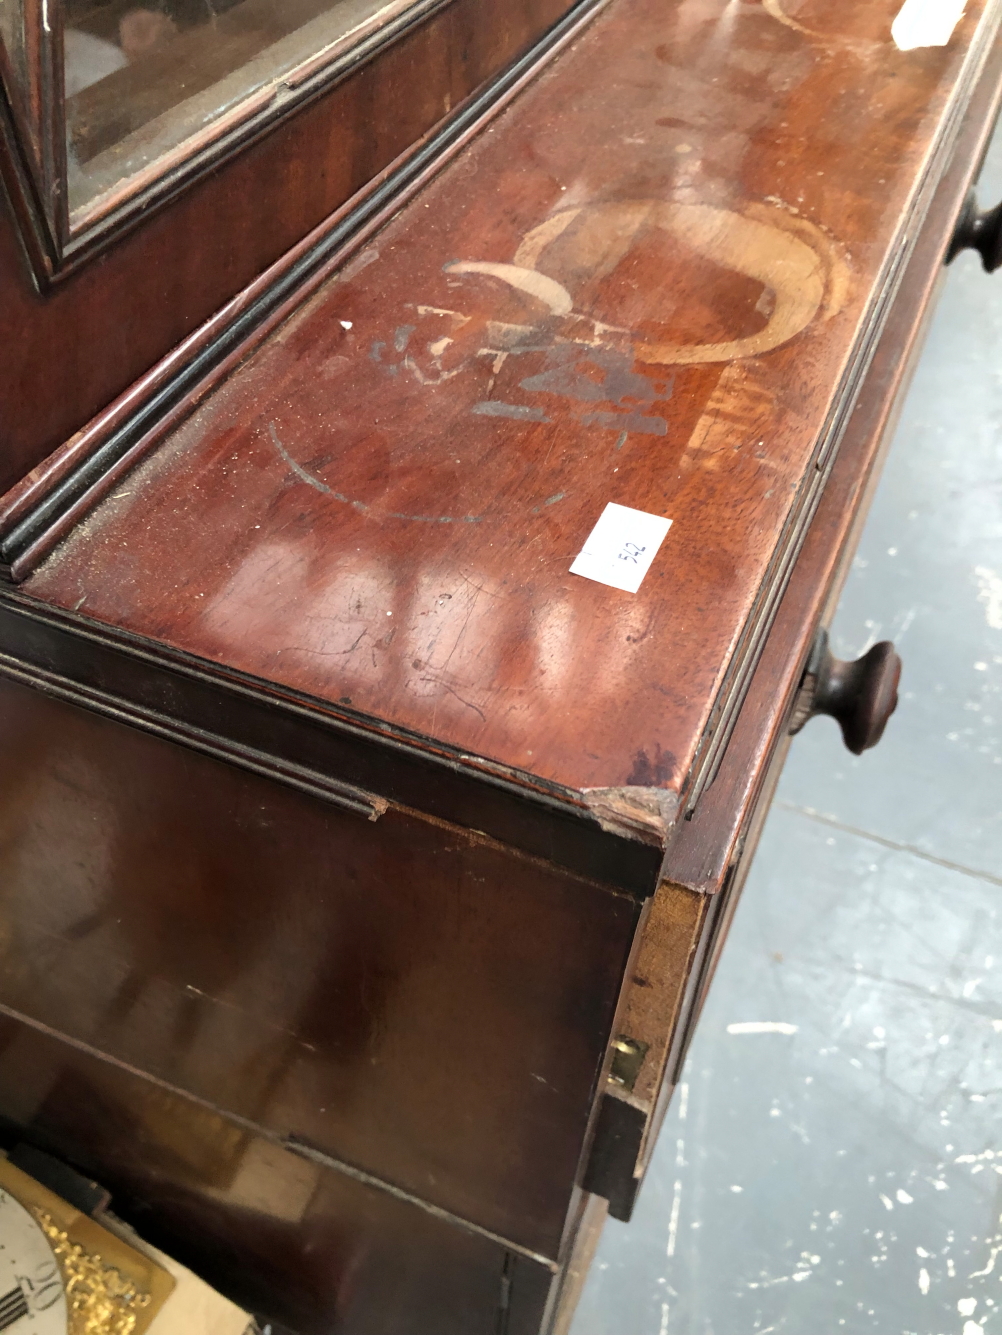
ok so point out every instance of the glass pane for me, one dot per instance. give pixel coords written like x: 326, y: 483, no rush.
x: 142, y: 81
x: 12, y: 36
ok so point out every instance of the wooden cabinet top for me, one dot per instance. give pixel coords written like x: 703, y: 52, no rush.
x: 654, y: 280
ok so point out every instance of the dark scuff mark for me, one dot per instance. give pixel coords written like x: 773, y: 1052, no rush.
x: 591, y: 375
x: 648, y: 774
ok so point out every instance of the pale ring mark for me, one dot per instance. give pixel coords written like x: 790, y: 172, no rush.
x: 775, y: 10
x: 546, y: 290
x: 780, y: 260
x: 535, y: 242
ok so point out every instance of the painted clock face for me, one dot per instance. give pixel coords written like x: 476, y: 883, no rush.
x: 32, y: 1295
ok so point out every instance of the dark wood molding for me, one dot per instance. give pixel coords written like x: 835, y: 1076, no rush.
x: 305, y: 744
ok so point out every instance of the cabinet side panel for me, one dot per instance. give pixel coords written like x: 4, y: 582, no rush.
x: 401, y: 995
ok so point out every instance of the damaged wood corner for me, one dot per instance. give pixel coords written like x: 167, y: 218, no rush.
x: 645, y: 815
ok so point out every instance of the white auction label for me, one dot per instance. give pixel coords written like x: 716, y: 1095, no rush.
x: 620, y: 548
x: 926, y: 23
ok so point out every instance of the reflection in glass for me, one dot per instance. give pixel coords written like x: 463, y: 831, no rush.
x: 12, y: 38
x: 25, y: 58
x: 142, y: 80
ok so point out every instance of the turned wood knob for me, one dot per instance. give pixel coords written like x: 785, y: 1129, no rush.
x: 980, y: 231
x: 860, y: 696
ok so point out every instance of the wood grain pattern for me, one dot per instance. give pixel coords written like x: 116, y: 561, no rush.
x: 399, y: 994
x: 659, y: 289
x: 707, y: 844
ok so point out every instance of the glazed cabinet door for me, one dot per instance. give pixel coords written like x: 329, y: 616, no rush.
x: 159, y: 158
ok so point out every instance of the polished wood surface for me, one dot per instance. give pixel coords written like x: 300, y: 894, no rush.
x: 399, y: 994
x: 659, y: 290
x: 707, y: 843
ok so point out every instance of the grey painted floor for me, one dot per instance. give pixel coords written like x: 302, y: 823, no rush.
x: 848, y: 1175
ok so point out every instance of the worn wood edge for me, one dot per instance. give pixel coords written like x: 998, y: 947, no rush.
x: 290, y: 1144
x: 295, y: 739
x: 884, y: 288
x: 589, y: 1222
x: 41, y: 509
x: 733, y: 791
x: 647, y: 814
x: 691, y: 1000
x: 657, y: 989
x: 653, y: 991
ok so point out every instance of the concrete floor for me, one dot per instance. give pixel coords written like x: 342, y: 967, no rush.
x: 848, y: 1175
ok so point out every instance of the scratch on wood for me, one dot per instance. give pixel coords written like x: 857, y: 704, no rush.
x: 315, y: 482
x: 300, y: 472
x: 445, y: 685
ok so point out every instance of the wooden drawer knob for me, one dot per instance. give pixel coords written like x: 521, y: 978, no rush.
x: 980, y: 231
x: 861, y: 696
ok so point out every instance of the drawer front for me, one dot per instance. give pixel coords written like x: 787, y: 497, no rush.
x: 407, y: 998
x: 284, y: 1237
